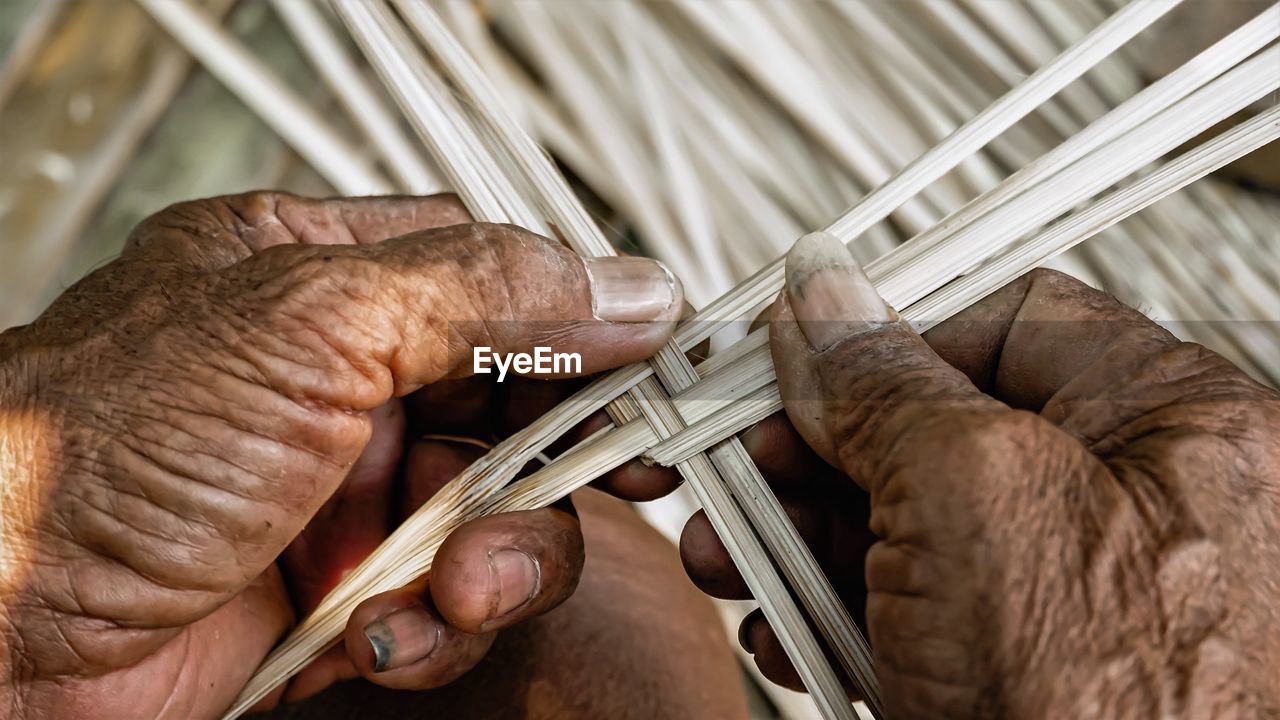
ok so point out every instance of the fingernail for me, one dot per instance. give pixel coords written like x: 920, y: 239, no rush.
x: 516, y: 576
x: 830, y: 295
x: 630, y: 289
x: 402, y: 638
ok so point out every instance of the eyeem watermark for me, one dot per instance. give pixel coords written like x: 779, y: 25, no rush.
x: 542, y: 361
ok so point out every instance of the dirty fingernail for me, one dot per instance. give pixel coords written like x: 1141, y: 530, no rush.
x: 830, y: 294
x: 402, y: 637
x: 631, y: 289
x: 516, y: 576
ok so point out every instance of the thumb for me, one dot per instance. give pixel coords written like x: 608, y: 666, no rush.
x: 857, y: 381
x: 372, y: 321
x: 293, y: 347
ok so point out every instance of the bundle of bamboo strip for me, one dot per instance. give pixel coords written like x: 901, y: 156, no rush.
x: 750, y: 121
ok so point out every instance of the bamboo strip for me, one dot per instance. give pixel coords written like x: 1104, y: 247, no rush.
x: 1172, y: 88
x: 326, y: 53
x: 1193, y: 165
x: 738, y: 31
x: 659, y: 405
x: 812, y: 656
x: 677, y: 373
x: 955, y: 296
x: 1111, y: 162
x: 941, y: 158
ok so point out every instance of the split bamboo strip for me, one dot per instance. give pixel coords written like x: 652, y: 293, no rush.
x: 812, y: 656
x: 572, y: 221
x: 600, y: 122
x: 1171, y: 236
x: 767, y: 515
x: 1120, y: 204
x: 322, y: 47
x: 940, y: 159
x: 548, y: 483
x: 611, y: 447
x: 791, y: 81
x: 716, y: 423
x: 1156, y: 233
x: 1170, y: 89
x: 1113, y: 161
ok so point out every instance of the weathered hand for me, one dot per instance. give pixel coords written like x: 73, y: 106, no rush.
x: 200, y: 438
x: 1067, y: 512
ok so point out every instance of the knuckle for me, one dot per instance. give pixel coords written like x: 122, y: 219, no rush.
x: 976, y: 451
x: 212, y: 230
x: 988, y: 434
x: 1048, y: 275
x: 313, y: 321
x: 451, y: 209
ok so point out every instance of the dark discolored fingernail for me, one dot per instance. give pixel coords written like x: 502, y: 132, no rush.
x: 403, y: 637
x: 829, y: 293
x: 516, y: 577
x: 630, y: 289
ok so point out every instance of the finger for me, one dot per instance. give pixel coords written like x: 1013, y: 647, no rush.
x: 524, y: 400
x: 454, y: 407
x: 333, y: 666
x: 818, y: 514
x: 758, y: 639
x: 632, y: 480
x: 408, y: 312
x: 430, y: 465
x: 965, y: 492
x: 636, y: 482
x: 217, y: 232
x: 528, y: 399
x: 1099, y: 370
x: 498, y: 570
x: 854, y: 380
x: 354, y: 521
x: 308, y: 340
x: 781, y: 453
x: 398, y: 640
x: 707, y: 562
x: 1044, y: 332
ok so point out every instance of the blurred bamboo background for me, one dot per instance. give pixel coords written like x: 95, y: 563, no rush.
x: 103, y: 120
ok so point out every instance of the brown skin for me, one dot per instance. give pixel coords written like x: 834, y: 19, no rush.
x: 636, y: 641
x: 200, y: 438
x: 1067, y: 512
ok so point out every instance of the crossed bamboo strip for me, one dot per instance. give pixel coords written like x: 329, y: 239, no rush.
x: 736, y: 385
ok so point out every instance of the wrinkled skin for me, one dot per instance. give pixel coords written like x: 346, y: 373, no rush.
x: 1057, y: 510
x: 200, y: 438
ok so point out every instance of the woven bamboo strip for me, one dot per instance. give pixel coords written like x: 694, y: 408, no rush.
x: 716, y: 497
x: 671, y: 365
x: 611, y: 447
x: 661, y: 404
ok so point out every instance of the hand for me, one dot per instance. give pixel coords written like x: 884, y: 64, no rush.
x: 199, y: 439
x: 1067, y: 512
